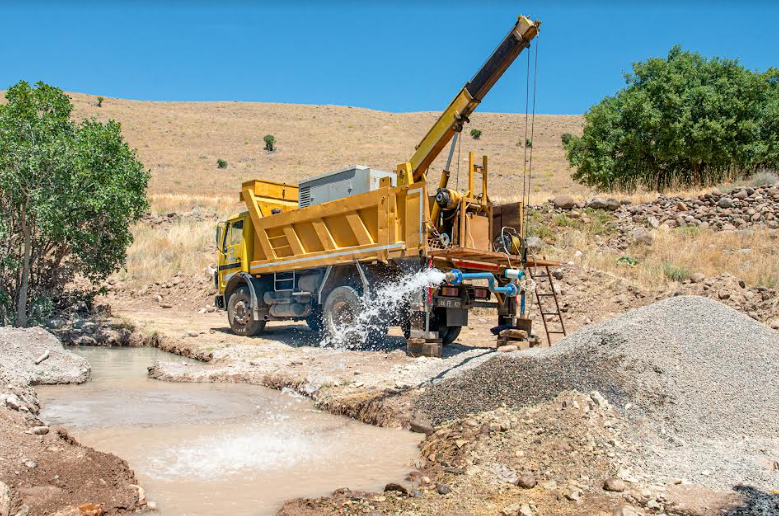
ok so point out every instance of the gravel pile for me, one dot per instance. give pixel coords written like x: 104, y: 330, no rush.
x: 696, y: 381
x: 21, y: 348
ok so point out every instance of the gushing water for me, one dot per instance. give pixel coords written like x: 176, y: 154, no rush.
x: 383, y: 301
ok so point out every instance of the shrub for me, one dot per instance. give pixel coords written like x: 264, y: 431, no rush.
x: 100, y: 101
x: 68, y: 195
x: 475, y: 134
x: 682, y: 121
x: 270, y: 142
x: 220, y: 163
x: 676, y: 272
x: 528, y: 143
x: 627, y: 260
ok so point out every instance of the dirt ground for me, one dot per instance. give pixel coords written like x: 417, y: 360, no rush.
x: 48, y: 473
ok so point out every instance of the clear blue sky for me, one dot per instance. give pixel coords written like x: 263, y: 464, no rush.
x: 393, y: 56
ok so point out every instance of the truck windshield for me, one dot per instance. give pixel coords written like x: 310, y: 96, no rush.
x: 236, y: 232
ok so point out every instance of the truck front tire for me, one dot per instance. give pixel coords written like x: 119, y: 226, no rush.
x: 239, y: 314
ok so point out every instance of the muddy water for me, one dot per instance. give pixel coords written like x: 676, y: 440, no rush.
x: 213, y: 449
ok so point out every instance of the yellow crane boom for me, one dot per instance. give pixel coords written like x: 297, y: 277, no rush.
x: 458, y: 111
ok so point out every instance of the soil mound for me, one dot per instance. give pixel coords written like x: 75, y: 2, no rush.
x: 21, y: 348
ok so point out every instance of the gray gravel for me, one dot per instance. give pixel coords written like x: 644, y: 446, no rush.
x: 698, y: 381
x: 21, y: 347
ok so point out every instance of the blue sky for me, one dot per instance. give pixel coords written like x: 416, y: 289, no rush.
x: 393, y: 56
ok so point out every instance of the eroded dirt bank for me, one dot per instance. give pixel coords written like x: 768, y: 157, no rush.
x: 43, y: 470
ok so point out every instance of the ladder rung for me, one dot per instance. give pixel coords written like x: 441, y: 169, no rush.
x: 551, y: 313
x: 544, y: 295
x: 557, y: 332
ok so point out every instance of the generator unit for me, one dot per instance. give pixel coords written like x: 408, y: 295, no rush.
x: 353, y: 180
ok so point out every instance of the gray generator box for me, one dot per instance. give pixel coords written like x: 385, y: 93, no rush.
x: 346, y: 182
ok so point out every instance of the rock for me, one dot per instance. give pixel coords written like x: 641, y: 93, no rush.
x: 615, y: 485
x: 741, y: 194
x: 5, y: 500
x: 598, y: 399
x: 471, y: 423
x: 507, y: 348
x: 627, y: 511
x: 421, y: 424
x: 24, y: 510
x: 725, y: 203
x: 192, y: 333
x: 598, y: 203
x: 152, y: 506
x: 30, y: 464
x: 642, y: 237
x: 166, y: 305
x: 392, y: 487
x: 775, y: 324
x: 697, y: 277
x: 442, y: 489
x: 511, y: 510
x: 557, y: 274
x: 680, y: 206
x: 13, y: 402
x: 573, y: 495
x: 564, y: 202
x: 43, y: 357
x: 527, y: 481
x: 38, y: 430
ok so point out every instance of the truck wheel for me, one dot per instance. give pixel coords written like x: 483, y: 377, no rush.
x: 449, y: 334
x: 314, y: 320
x: 239, y: 313
x: 341, y: 310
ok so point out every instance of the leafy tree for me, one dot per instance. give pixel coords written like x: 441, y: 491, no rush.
x: 100, y: 101
x: 682, y: 121
x: 68, y: 194
x: 270, y: 142
x: 475, y: 134
x: 220, y: 163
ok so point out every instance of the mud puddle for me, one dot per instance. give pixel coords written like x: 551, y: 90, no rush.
x: 221, y: 448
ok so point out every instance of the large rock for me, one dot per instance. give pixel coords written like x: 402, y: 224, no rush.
x: 599, y: 203
x: 564, y: 202
x: 21, y: 347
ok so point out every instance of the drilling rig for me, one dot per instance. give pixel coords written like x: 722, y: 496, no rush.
x: 319, y: 250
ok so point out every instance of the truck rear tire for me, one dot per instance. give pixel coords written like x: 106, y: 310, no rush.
x: 239, y: 314
x: 449, y: 334
x: 341, y: 310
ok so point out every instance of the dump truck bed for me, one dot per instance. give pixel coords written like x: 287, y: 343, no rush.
x: 387, y: 223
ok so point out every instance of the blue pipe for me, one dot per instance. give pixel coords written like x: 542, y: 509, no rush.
x: 456, y: 277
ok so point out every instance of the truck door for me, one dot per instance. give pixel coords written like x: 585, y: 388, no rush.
x: 231, y: 252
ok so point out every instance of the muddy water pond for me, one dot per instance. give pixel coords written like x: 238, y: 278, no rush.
x: 217, y: 449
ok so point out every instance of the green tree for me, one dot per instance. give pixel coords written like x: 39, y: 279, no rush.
x: 270, y: 142
x: 682, y: 121
x: 475, y: 134
x: 100, y: 101
x: 68, y: 194
x: 220, y: 163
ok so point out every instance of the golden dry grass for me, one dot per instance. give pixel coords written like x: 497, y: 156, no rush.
x: 675, y: 254
x: 181, y: 141
x: 160, y: 252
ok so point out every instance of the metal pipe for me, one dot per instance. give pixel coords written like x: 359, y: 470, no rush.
x: 456, y: 277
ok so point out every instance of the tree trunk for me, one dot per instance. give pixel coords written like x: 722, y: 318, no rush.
x: 21, y: 306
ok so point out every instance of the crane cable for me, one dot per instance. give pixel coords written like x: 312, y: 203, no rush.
x: 532, y: 129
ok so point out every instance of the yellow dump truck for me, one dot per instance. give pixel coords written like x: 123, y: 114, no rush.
x: 317, y: 250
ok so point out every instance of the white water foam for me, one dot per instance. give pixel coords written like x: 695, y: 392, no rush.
x: 387, y: 299
x: 274, y: 447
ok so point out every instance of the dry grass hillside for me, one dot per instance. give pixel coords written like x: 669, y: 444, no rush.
x: 181, y: 141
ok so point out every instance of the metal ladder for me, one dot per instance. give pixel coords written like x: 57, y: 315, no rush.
x: 543, y: 294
